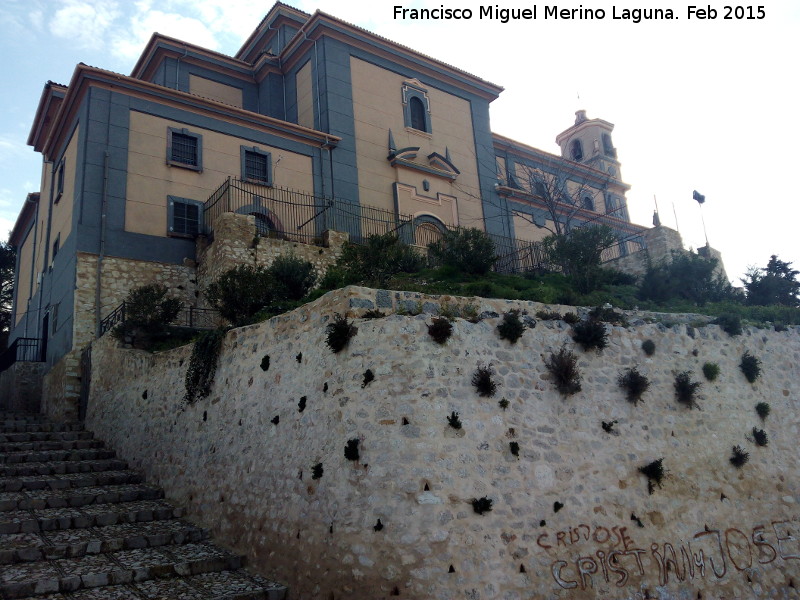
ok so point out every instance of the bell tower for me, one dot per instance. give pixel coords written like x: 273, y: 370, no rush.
x: 588, y: 142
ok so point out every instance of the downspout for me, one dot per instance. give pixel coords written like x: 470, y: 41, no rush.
x: 319, y: 104
x: 102, y: 249
x: 178, y: 64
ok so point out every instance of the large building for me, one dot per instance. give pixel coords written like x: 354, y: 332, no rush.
x: 316, y: 125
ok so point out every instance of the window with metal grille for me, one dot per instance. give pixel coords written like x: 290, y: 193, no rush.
x: 256, y: 165
x: 185, y: 149
x: 184, y: 217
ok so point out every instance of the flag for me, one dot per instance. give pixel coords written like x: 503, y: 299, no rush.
x: 698, y: 196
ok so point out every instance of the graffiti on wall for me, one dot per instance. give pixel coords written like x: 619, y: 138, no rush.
x: 613, y: 555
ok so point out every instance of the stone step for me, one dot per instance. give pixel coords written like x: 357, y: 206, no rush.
x: 73, y: 543
x: 42, y: 436
x: 45, y: 445
x: 120, y: 567
x: 54, y: 455
x: 76, y: 497
x: 219, y: 585
x: 13, y: 426
x: 15, y: 483
x: 93, y: 515
x: 61, y: 467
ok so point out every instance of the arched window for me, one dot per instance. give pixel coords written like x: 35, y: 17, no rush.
x: 577, y: 150
x: 427, y: 234
x: 264, y: 225
x: 416, y: 110
x: 588, y: 203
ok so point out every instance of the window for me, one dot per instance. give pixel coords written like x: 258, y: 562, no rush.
x: 416, y: 108
x: 588, y: 203
x: 576, y: 149
x: 56, y: 246
x: 264, y: 224
x: 256, y: 165
x: 608, y: 147
x: 184, y: 216
x: 184, y: 149
x: 60, y: 181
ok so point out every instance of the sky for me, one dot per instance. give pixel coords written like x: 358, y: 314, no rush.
x: 698, y: 104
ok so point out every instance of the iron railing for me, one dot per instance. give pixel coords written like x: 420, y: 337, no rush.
x: 189, y: 316
x: 301, y: 217
x: 21, y: 350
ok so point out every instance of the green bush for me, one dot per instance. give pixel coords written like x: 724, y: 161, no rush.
x: 468, y: 250
x: 203, y: 365
x: 649, y: 347
x: 511, y: 327
x: 729, y: 323
x: 763, y: 410
x: 241, y: 292
x: 634, y: 383
x: 686, y: 389
x: 686, y: 276
x: 148, y: 313
x: 339, y: 332
x: 750, y: 366
x: 440, y: 329
x: 579, y: 253
x: 375, y: 262
x: 590, y: 334
x: 711, y: 371
x: 293, y: 277
x: 563, y: 366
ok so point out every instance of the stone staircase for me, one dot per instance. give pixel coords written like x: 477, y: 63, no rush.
x: 76, y: 523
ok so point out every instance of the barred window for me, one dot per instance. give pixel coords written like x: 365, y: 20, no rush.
x: 184, y: 217
x: 256, y: 165
x: 184, y: 149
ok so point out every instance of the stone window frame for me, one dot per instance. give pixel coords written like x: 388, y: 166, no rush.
x: 243, y: 153
x: 576, y: 150
x: 172, y: 132
x: 171, y: 202
x: 420, y: 95
x: 608, y: 146
x: 60, y: 180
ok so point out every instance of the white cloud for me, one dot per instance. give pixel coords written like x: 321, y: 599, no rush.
x: 85, y: 22
x: 36, y: 18
x: 128, y: 43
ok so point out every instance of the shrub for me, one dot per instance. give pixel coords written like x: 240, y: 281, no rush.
x: 483, y: 382
x: 454, y: 421
x: 440, y: 329
x: 688, y: 277
x: 317, y: 471
x: 608, y: 427
x: 750, y: 366
x: 760, y: 437
x: 503, y: 403
x: 634, y: 383
x: 148, y: 313
x: 579, y: 253
x: 739, y: 457
x: 711, y: 371
x: 203, y: 365
x: 546, y: 315
x: 293, y: 277
x: 369, y: 377
x: 482, y: 505
x: 376, y: 261
x: 373, y: 314
x: 654, y: 472
x: 511, y: 327
x: 239, y: 293
x: 339, y: 332
x: 649, y: 347
x: 571, y: 318
x: 468, y: 250
x: 730, y: 323
x: 351, y: 449
x: 514, y: 448
x: 563, y: 366
x: 775, y: 284
x: 607, y: 314
x: 686, y: 389
x: 763, y: 410
x: 590, y: 334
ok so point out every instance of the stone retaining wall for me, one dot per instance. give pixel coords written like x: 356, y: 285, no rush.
x: 571, y: 514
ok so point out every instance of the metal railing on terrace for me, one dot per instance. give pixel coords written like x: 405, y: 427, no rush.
x: 21, y: 350
x: 189, y: 316
x: 301, y: 217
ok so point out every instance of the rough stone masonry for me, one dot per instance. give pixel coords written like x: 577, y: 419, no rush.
x: 261, y: 460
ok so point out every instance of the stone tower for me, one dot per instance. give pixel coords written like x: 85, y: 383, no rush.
x: 589, y: 142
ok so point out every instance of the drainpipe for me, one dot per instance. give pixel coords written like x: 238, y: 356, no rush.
x: 102, y: 249
x: 319, y: 104
x: 178, y: 64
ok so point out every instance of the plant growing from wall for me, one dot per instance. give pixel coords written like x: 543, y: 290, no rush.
x: 739, y: 457
x: 482, y: 380
x: 546, y: 315
x: 373, y: 314
x: 317, y: 471
x: 265, y: 363
x: 148, y: 314
x: 440, y: 329
x: 590, y: 334
x: 763, y: 410
x: 571, y: 318
x: 203, y: 365
x: 750, y: 366
x: 470, y: 313
x: 686, y: 389
x: 301, y: 406
x: 511, y: 327
x: 503, y: 403
x: 634, y: 383
x: 514, y: 448
x: 730, y: 323
x: 454, y: 421
x: 649, y: 347
x: 557, y: 506
x: 608, y: 427
x: 482, y: 505
x: 563, y: 366
x: 711, y: 371
x: 607, y: 314
x: 654, y: 471
x: 760, y: 437
x: 351, y: 449
x: 339, y: 332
